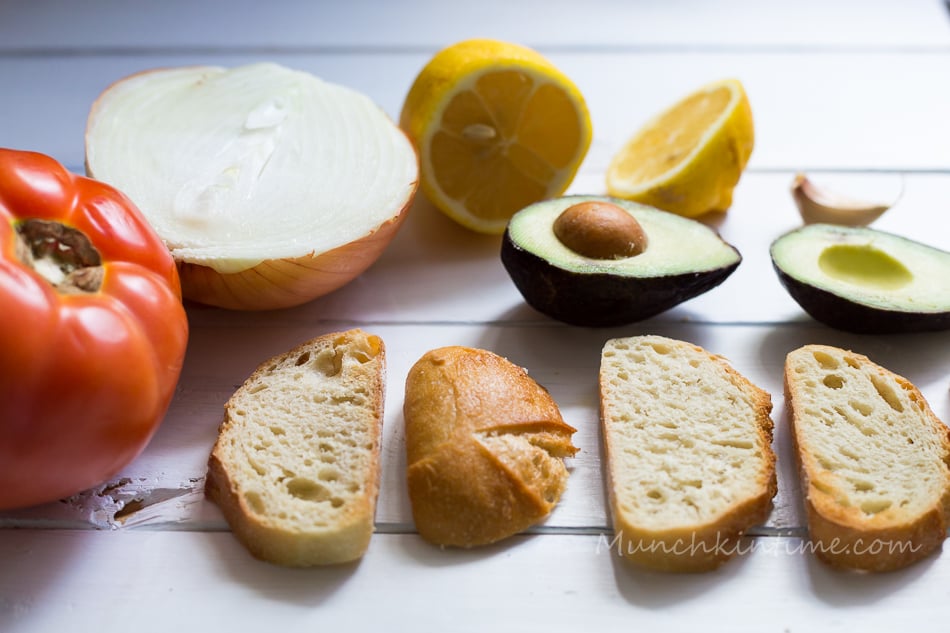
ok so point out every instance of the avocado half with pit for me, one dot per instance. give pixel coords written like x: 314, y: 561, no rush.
x: 863, y: 280
x: 598, y: 262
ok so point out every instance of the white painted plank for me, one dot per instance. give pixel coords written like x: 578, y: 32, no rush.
x: 98, y: 24
x: 161, y: 581
x: 841, y: 111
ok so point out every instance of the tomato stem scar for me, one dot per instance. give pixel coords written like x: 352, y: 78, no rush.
x: 61, y: 254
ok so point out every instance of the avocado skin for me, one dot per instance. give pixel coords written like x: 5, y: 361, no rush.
x: 600, y: 299
x: 843, y: 314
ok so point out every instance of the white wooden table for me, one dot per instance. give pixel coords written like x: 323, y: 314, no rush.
x: 856, y: 93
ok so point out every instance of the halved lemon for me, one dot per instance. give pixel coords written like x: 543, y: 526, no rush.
x: 497, y: 127
x: 688, y: 159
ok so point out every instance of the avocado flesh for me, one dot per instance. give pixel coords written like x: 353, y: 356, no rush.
x: 683, y: 259
x: 863, y: 280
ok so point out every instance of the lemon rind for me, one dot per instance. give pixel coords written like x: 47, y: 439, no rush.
x: 620, y: 187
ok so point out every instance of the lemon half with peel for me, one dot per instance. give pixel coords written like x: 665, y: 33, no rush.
x: 497, y: 127
x: 689, y: 158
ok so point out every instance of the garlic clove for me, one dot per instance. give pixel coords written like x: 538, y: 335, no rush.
x: 821, y: 206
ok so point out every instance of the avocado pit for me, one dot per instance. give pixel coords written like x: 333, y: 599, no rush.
x: 600, y: 230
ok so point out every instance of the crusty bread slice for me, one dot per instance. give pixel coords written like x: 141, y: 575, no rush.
x: 873, y: 460
x: 690, y: 465
x: 295, y: 469
x: 484, y: 445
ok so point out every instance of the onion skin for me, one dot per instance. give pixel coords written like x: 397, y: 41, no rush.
x: 289, y: 282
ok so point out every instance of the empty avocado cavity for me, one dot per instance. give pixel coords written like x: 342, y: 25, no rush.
x: 864, y: 280
x: 864, y: 265
x: 597, y: 261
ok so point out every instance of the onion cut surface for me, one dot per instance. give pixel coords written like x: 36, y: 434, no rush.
x: 269, y: 186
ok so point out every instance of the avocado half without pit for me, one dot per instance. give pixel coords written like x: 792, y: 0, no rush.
x: 863, y: 280
x: 599, y: 262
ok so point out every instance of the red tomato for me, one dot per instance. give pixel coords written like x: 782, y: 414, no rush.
x: 92, y: 330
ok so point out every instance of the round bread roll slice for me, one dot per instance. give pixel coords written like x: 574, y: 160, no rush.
x: 485, y: 445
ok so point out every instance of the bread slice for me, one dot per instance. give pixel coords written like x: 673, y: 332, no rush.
x: 295, y: 469
x: 873, y: 460
x: 688, y: 448
x: 484, y: 444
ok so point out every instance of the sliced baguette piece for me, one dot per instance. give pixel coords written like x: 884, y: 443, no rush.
x: 295, y: 468
x: 689, y: 460
x: 873, y: 460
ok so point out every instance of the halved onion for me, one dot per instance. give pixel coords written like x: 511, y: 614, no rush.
x: 269, y: 186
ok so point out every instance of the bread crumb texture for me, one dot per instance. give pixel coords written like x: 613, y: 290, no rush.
x: 688, y: 441
x: 297, y: 455
x: 872, y: 449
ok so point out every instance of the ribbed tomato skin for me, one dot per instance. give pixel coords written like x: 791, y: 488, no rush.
x: 85, y: 377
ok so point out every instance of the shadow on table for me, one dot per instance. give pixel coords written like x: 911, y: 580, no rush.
x: 540, y: 343
x: 658, y: 590
x: 307, y: 587
x: 842, y: 588
x: 920, y: 357
x: 429, y: 555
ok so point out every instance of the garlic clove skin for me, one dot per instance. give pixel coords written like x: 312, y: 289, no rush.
x: 820, y: 206
x: 270, y: 186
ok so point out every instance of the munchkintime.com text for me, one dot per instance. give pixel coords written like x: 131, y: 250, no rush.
x: 728, y: 547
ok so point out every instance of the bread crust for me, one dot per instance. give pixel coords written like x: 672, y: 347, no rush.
x: 268, y: 537
x: 704, y: 546
x: 844, y: 536
x: 484, y: 444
